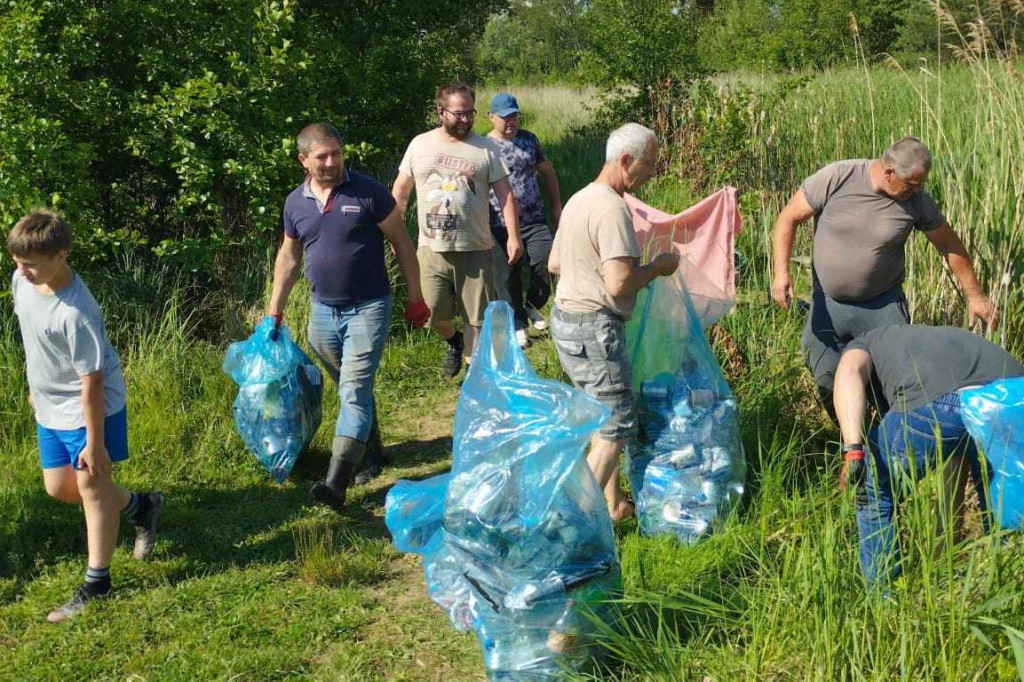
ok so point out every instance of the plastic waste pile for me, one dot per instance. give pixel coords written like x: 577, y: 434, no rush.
x: 278, y: 407
x: 994, y: 416
x: 686, y: 468
x: 521, y: 549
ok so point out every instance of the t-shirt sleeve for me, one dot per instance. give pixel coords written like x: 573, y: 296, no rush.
x: 615, y: 236
x: 383, y: 202
x: 857, y: 344
x: 85, y: 343
x: 288, y: 223
x: 406, y: 165
x: 496, y: 168
x: 818, y: 187
x: 929, y: 217
x: 538, y: 152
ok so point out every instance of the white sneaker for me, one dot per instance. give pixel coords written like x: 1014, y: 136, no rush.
x: 539, y: 323
x: 521, y: 338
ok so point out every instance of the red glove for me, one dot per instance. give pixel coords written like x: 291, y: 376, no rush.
x: 278, y: 319
x: 417, y: 313
x: 854, y: 469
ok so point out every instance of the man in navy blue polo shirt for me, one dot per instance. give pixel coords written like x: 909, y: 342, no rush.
x: 337, y: 220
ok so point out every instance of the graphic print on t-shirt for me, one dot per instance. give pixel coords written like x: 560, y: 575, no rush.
x: 450, y: 192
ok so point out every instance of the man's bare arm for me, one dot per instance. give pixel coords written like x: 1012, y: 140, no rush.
x: 795, y: 212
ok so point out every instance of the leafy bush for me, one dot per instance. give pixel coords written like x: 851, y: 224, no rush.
x: 169, y: 124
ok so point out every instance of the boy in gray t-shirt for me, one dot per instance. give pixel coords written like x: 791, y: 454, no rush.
x: 77, y: 392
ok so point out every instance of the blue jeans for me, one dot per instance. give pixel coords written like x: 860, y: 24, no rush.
x: 903, y: 447
x: 349, y: 342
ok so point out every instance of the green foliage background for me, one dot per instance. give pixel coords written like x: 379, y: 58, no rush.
x: 168, y: 124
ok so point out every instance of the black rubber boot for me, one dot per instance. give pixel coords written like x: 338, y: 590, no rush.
x: 375, y: 458
x: 346, y: 453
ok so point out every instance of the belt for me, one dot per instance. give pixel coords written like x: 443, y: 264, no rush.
x: 590, y: 316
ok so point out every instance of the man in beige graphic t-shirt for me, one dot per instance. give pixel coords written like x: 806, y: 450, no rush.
x: 453, y: 170
x: 597, y: 259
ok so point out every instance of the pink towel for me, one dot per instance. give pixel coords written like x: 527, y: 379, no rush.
x: 704, y: 235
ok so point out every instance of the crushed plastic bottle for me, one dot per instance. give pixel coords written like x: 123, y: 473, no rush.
x: 686, y: 468
x: 278, y: 407
x: 523, y: 550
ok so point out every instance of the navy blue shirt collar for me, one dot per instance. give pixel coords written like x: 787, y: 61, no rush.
x: 307, y: 191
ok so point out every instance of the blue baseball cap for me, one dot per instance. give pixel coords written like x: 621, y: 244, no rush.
x: 504, y: 104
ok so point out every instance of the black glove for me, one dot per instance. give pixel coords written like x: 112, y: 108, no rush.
x: 854, y: 469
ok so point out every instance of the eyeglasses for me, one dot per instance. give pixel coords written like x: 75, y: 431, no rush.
x: 468, y: 115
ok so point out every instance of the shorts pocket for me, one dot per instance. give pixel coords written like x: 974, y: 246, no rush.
x: 610, y: 341
x: 573, y: 347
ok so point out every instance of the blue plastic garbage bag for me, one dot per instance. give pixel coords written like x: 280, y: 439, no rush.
x: 994, y: 416
x: 686, y: 468
x: 414, y: 511
x: 525, y: 554
x: 278, y: 408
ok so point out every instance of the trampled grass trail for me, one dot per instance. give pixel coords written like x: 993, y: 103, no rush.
x: 249, y: 582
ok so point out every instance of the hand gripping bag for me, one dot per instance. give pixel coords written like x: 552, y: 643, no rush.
x: 278, y: 407
x: 994, y: 416
x: 686, y: 467
x: 524, y: 554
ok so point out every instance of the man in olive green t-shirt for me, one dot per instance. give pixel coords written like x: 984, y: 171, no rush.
x: 453, y: 170
x: 864, y: 211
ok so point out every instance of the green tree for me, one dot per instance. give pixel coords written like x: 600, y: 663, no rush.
x: 791, y: 34
x: 643, y: 53
x: 533, y: 41
x: 169, y: 123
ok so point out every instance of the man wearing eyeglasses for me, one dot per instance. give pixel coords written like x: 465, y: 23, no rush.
x: 864, y: 211
x: 453, y: 171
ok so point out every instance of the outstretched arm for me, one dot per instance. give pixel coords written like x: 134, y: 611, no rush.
x: 393, y: 228
x: 550, y: 178
x: 287, y: 268
x: 850, y: 393
x: 503, y: 191
x: 622, y: 276
x: 952, y: 249
x: 795, y: 212
x: 401, y: 190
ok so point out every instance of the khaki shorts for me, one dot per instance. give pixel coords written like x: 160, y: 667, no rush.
x: 592, y: 350
x: 456, y: 281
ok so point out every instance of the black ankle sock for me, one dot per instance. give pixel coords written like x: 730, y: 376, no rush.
x: 97, y: 581
x: 455, y: 340
x: 133, y: 504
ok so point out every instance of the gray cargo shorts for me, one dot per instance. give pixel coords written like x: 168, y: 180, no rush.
x: 592, y: 350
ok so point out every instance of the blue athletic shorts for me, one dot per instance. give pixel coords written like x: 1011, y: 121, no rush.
x: 60, y: 447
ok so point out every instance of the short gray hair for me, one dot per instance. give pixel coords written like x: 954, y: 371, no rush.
x: 316, y: 133
x: 631, y: 139
x: 906, y: 156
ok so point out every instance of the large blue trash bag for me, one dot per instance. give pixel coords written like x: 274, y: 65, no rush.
x: 278, y: 408
x: 686, y: 468
x: 525, y: 554
x: 994, y: 416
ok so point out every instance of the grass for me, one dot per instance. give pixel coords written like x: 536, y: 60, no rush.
x: 249, y: 582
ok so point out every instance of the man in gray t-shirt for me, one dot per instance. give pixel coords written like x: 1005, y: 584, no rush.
x: 920, y: 371
x: 864, y: 211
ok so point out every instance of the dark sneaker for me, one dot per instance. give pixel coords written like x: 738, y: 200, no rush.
x: 74, y: 606
x: 452, y: 362
x: 151, y: 505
